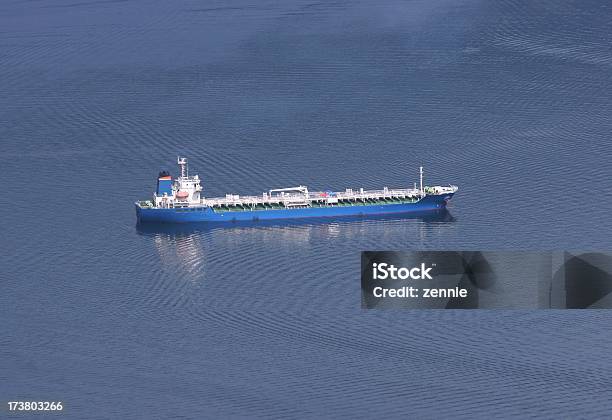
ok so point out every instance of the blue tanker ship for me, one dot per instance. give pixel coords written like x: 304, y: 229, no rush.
x: 181, y: 200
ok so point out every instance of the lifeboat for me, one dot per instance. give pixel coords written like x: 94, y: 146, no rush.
x: 181, y: 195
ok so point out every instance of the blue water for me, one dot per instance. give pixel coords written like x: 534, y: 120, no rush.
x: 510, y: 100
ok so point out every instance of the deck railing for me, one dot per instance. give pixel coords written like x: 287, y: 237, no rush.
x: 306, y: 199
x: 310, y: 198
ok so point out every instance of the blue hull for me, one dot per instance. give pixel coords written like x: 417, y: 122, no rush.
x: 206, y: 214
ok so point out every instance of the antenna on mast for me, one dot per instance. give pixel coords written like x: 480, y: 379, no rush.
x: 421, y: 179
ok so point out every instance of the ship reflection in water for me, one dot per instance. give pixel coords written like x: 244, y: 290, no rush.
x: 194, y: 246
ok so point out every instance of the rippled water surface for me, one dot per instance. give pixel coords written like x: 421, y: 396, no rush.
x: 510, y: 100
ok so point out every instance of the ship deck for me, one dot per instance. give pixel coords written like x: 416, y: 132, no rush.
x: 311, y: 199
x: 300, y: 197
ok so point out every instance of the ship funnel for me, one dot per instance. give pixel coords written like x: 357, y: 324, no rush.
x: 164, y: 183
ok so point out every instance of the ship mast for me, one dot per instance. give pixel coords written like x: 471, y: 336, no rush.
x: 182, y: 162
x: 421, y: 179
